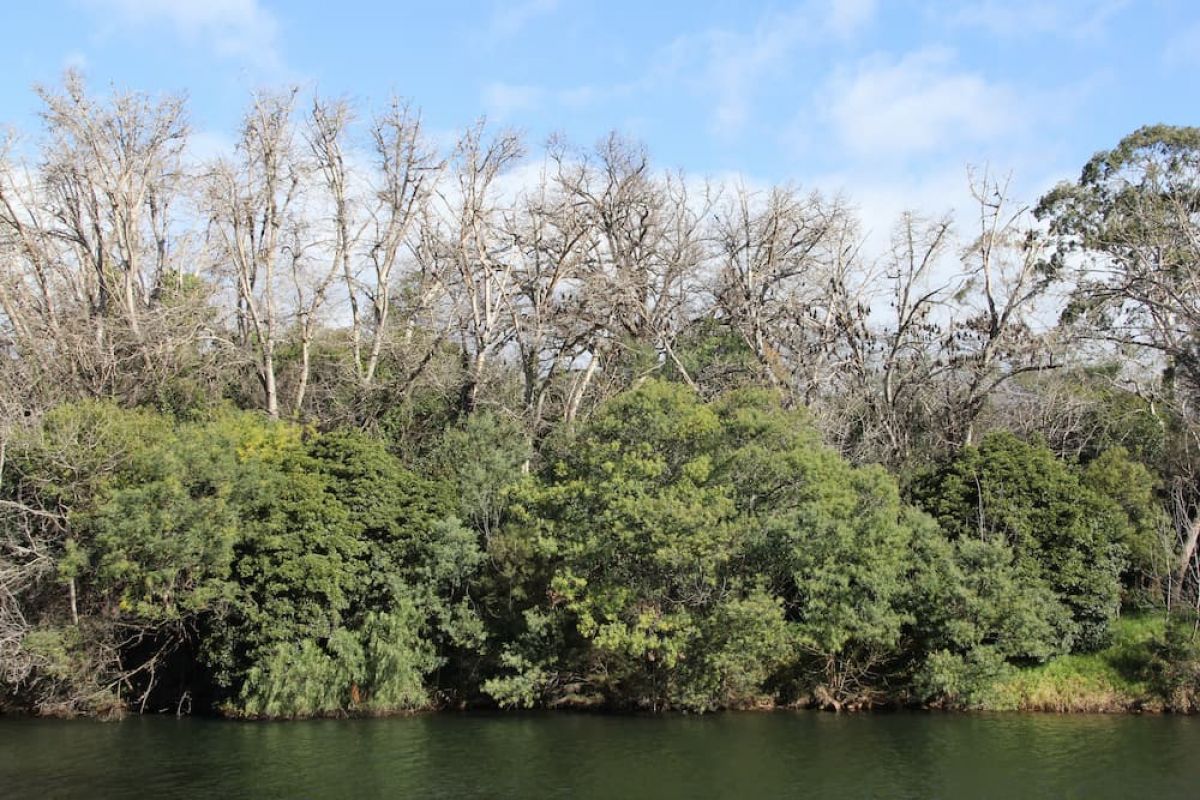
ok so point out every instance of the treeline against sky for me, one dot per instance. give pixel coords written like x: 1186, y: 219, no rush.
x: 343, y: 421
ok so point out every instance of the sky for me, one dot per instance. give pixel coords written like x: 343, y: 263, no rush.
x: 886, y: 101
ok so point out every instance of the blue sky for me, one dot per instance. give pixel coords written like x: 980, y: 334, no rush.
x: 887, y: 100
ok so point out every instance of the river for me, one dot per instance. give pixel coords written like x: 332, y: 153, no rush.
x: 779, y: 754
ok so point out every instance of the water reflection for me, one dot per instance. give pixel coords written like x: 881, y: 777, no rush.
x: 567, y: 755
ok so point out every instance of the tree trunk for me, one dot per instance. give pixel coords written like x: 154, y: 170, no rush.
x: 269, y: 390
x: 302, y: 388
x: 1187, y: 553
x: 580, y: 389
x: 74, y: 603
x: 470, y: 389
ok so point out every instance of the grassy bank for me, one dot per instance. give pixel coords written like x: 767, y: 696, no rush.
x: 1114, y: 679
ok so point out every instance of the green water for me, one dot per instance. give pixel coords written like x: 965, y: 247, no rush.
x: 569, y: 755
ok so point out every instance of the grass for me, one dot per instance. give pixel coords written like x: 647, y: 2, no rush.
x: 1108, y: 680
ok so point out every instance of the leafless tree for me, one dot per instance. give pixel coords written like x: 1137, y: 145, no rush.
x: 467, y: 252
x: 999, y: 335
x: 778, y: 257
x: 254, y: 222
x: 553, y: 245
x: 92, y: 286
x: 646, y: 252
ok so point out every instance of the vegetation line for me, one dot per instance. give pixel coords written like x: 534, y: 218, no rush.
x: 339, y: 423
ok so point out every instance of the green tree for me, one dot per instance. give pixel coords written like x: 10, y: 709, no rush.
x: 120, y: 533
x: 639, y: 541
x: 1146, y: 534
x: 480, y: 458
x: 832, y: 541
x: 1130, y: 227
x: 973, y: 616
x: 297, y: 563
x: 1061, y: 531
x: 352, y: 578
x: 421, y: 564
x: 665, y: 519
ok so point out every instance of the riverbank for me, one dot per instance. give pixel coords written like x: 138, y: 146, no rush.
x: 1116, y: 679
x: 1121, y: 678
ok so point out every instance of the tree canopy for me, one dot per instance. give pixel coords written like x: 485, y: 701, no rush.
x: 347, y: 421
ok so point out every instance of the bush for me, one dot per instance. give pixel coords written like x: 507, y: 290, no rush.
x: 1061, y: 531
x: 1175, y: 666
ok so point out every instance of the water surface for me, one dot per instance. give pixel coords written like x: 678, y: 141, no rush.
x: 780, y: 754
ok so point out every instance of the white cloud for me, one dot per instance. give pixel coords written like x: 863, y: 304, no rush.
x: 848, y: 16
x: 208, y: 145
x: 919, y: 104
x: 510, y: 18
x: 724, y: 66
x: 1076, y: 19
x: 503, y: 100
x: 239, y: 29
x: 1183, y: 48
x: 879, y: 200
x: 579, y: 96
x: 729, y: 64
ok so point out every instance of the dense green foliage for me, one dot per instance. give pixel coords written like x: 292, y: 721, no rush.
x: 376, y: 434
x: 670, y: 553
x: 1063, y: 537
x: 306, y: 573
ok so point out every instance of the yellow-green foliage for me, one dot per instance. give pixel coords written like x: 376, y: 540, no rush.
x: 1112, y: 679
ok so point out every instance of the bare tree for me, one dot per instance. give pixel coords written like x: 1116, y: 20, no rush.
x: 891, y: 337
x: 408, y: 170
x: 92, y: 285
x: 553, y: 244
x: 253, y: 220
x: 647, y: 249
x: 372, y: 214
x: 999, y: 336
x: 777, y: 257
x: 468, y: 252
x: 919, y: 344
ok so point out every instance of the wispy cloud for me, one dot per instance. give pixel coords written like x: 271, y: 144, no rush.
x: 918, y: 104
x: 76, y: 59
x: 725, y: 67
x: 503, y: 100
x: 730, y: 64
x: 1183, y: 49
x: 1075, y: 19
x: 510, y: 18
x: 846, y: 17
x: 236, y: 29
